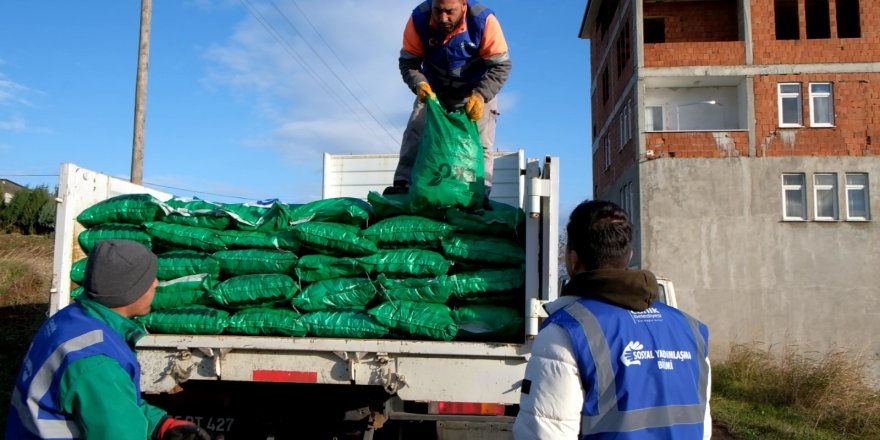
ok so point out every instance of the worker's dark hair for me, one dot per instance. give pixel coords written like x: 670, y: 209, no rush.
x: 601, y: 234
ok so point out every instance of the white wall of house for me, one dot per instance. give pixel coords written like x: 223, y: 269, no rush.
x: 715, y: 228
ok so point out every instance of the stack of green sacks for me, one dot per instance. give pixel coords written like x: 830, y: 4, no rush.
x: 339, y: 268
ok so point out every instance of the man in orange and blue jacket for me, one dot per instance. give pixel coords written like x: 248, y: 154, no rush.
x: 453, y: 50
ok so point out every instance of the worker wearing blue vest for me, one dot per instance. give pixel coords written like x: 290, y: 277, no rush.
x: 453, y: 50
x: 611, y: 362
x: 80, y: 378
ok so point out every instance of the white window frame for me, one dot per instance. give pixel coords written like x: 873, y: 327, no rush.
x: 831, y: 189
x: 864, y: 190
x: 803, y: 190
x: 790, y: 95
x: 607, y: 148
x: 625, y: 125
x: 814, y: 96
x: 655, y: 125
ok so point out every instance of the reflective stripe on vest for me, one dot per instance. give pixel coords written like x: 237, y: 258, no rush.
x: 29, y: 413
x: 610, y: 419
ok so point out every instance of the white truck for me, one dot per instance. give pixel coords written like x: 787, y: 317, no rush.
x: 252, y: 387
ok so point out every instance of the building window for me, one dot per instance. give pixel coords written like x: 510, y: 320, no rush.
x: 821, y: 105
x: 818, y: 19
x: 786, y: 15
x: 606, y: 85
x: 794, y: 197
x: 857, y: 202
x: 626, y: 198
x: 623, y: 48
x: 848, y: 25
x: 653, y: 118
x: 607, y: 148
x: 625, y: 125
x: 790, y: 105
x: 655, y: 30
x: 825, y: 194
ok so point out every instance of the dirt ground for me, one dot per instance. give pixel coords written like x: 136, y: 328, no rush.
x: 720, y: 431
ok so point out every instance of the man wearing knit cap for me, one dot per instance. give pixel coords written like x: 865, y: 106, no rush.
x: 80, y: 378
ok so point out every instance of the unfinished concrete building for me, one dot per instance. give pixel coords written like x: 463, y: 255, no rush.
x: 743, y: 136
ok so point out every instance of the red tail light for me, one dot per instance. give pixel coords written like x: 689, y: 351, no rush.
x: 471, y: 408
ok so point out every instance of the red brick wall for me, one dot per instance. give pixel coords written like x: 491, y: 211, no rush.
x: 696, y: 21
x: 856, y: 109
x: 617, y: 83
x: 698, y: 144
x: 768, y: 50
x: 720, y: 53
x: 621, y: 158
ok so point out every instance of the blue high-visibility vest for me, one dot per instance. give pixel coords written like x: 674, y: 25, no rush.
x: 457, y: 63
x: 644, y: 374
x: 69, y: 335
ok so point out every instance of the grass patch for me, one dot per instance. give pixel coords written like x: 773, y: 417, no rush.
x: 792, y: 395
x: 25, y: 279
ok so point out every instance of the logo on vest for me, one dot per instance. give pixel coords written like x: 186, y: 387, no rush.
x: 634, y: 353
x: 648, y: 315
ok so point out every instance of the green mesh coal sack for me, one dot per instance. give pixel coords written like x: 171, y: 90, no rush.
x: 255, y: 261
x: 347, y: 210
x: 113, y: 231
x: 502, y: 220
x: 486, y: 284
x: 264, y: 215
x: 405, y: 263
x: 434, y: 290
x: 235, y: 239
x: 476, y: 249
x: 355, y: 324
x: 254, y: 290
x: 184, y: 291
x: 337, y: 293
x: 78, y: 270
x: 196, y: 212
x: 407, y: 231
x: 317, y: 267
x: 448, y: 170
x: 419, y: 320
x: 128, y: 208
x: 266, y: 321
x: 188, y: 320
x: 180, y: 237
x: 181, y: 263
x: 488, y: 322
x: 333, y: 239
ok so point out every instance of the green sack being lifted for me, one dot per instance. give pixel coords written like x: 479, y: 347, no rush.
x: 448, y: 170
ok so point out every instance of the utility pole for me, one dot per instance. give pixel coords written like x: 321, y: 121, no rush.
x: 140, y: 97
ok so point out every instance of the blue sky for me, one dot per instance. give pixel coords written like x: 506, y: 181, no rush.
x: 244, y: 96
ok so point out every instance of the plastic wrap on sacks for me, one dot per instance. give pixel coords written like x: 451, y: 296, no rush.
x: 343, y: 324
x: 336, y: 293
x: 266, y: 321
x: 425, y: 320
x: 189, y: 320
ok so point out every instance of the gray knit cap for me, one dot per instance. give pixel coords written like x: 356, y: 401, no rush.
x: 119, y: 272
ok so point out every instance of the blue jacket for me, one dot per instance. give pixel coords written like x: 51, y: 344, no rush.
x: 68, y: 336
x: 645, y: 374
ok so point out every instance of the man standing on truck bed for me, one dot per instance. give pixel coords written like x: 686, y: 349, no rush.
x: 80, y: 377
x: 610, y: 361
x: 454, y: 50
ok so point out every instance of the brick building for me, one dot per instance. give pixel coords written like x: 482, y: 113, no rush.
x: 743, y: 136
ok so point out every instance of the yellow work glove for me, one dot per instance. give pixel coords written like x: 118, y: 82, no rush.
x: 474, y: 107
x: 423, y: 90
